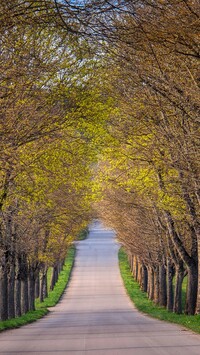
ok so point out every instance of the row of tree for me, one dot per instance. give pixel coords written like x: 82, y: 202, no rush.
x: 49, y: 109
x: 150, y: 170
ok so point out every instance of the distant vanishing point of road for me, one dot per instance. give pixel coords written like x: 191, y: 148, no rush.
x: 96, y: 316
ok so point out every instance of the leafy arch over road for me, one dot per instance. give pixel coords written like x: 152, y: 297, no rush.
x: 105, y: 89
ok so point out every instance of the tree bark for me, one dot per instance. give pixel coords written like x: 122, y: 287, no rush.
x: 135, y: 268
x: 3, y: 293
x: 54, y: 277
x: 198, y: 283
x: 24, y: 295
x: 139, y: 280
x: 37, y: 286
x: 31, y: 285
x: 11, y: 291
x: 190, y: 261
x: 151, y: 283
x: 18, y: 311
x: 169, y: 286
x: 191, y: 294
x: 193, y: 288
x: 179, y: 275
x: 162, y: 286
x: 43, y: 284
x: 144, y: 278
x: 156, y: 285
x: 18, y: 273
x: 24, y: 285
x: 131, y: 262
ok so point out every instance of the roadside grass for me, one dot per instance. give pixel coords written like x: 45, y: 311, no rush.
x: 143, y: 304
x: 25, y: 319
x: 52, y: 299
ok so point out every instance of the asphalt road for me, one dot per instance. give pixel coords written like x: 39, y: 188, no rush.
x: 96, y: 316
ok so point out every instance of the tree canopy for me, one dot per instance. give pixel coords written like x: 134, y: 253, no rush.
x: 99, y: 117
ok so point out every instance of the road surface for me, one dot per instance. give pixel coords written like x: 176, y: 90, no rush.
x: 96, y: 316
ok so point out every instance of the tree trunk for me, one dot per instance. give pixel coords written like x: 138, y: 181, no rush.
x: 193, y: 291
x: 169, y: 286
x: 56, y: 273
x: 131, y: 262
x: 179, y: 275
x: 190, y: 261
x: 198, y: 283
x: 144, y: 277
x: 24, y: 284
x: 136, y: 268
x: 18, y: 311
x: 59, y: 267
x: 162, y: 286
x: 37, y: 286
x: 54, y: 277
x: 3, y: 294
x: 24, y: 295
x: 45, y: 290
x: 11, y: 291
x: 31, y: 285
x: 156, y: 285
x: 139, y: 279
x: 151, y: 283
x: 191, y: 295
x: 43, y: 284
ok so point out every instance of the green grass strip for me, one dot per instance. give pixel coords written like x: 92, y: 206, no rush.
x: 25, y: 319
x: 147, y: 306
x: 51, y: 300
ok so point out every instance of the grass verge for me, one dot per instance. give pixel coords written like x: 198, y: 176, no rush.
x: 50, y: 301
x: 146, y: 306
